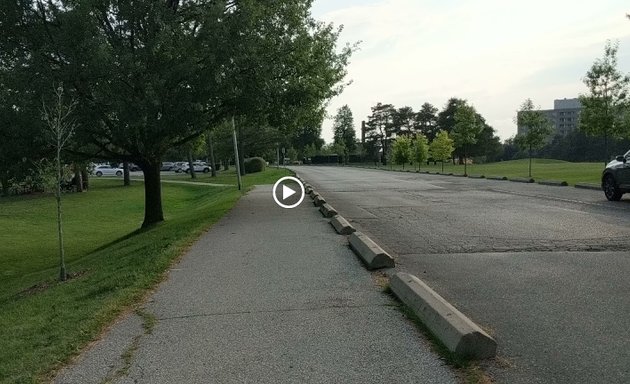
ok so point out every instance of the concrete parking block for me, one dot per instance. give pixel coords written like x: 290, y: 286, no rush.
x: 521, y: 180
x: 592, y: 186
x: 341, y: 225
x: 327, y: 210
x: 456, y: 331
x: 318, y: 200
x: 372, y: 255
x: 556, y: 183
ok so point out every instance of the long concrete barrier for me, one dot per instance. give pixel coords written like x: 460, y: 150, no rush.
x: 456, y: 331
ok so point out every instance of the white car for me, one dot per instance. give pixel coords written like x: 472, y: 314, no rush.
x: 198, y: 167
x: 106, y: 170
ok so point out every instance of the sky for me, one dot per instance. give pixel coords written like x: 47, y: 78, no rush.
x: 493, y: 53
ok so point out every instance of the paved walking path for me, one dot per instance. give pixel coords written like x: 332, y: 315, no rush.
x: 268, y: 295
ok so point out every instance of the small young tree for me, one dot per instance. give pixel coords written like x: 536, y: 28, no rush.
x: 420, y: 149
x: 536, y: 126
x: 604, y: 107
x: 60, y: 127
x: 466, y: 130
x: 402, y: 150
x: 442, y: 147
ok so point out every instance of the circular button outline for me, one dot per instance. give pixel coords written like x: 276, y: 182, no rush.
x: 275, y: 186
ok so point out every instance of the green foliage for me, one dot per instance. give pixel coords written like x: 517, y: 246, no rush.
x: 442, y: 147
x: 426, y: 120
x: 605, y: 109
x: 344, y: 133
x: 146, y: 87
x: 379, y: 128
x: 466, y: 127
x: 536, y: 126
x: 420, y: 149
x: 402, y: 150
x: 255, y: 164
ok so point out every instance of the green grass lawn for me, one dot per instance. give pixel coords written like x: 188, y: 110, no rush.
x: 542, y: 169
x: 269, y: 176
x: 43, y: 322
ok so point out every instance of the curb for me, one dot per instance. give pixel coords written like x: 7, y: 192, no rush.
x: 373, y: 256
x: 327, y: 210
x: 341, y: 225
x: 496, y: 178
x: 591, y: 186
x: 521, y: 180
x: 476, y: 177
x: 456, y: 331
x: 556, y: 183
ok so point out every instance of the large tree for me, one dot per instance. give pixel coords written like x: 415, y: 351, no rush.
x: 537, y: 129
x: 344, y: 133
x: 426, y: 120
x: 605, y: 107
x: 466, y: 130
x: 379, y: 129
x: 150, y: 75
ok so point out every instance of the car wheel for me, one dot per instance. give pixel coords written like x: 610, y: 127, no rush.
x: 206, y: 170
x: 99, y: 173
x: 611, y: 190
x: 187, y: 171
x: 118, y: 173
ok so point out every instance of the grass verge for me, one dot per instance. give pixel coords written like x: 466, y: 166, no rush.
x: 43, y: 322
x: 542, y: 169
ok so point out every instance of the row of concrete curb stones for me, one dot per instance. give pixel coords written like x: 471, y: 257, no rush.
x: 456, y: 331
x: 556, y: 183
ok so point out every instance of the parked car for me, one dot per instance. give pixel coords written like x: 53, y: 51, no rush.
x: 132, y: 167
x: 616, y: 177
x: 107, y: 170
x: 198, y: 167
x: 180, y: 166
x: 167, y: 166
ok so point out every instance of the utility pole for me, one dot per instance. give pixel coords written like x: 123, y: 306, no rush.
x: 236, y: 159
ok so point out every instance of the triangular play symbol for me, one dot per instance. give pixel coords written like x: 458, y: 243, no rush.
x: 287, y: 192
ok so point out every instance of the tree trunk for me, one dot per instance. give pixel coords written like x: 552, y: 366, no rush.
x: 152, y: 194
x: 226, y: 165
x: 191, y: 168
x: 78, y: 178
x: 241, y: 152
x: 4, y: 181
x: 85, y: 178
x: 62, y: 265
x: 126, y: 179
x: 530, y: 161
x: 213, y: 165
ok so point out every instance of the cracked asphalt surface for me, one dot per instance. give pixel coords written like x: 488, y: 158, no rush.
x: 544, y: 269
x: 267, y: 295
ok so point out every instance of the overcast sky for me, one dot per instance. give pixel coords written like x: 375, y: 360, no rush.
x: 494, y: 53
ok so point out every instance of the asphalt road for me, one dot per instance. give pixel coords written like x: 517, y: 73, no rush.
x: 544, y: 269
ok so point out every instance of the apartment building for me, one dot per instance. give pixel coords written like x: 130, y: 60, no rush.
x: 564, y: 116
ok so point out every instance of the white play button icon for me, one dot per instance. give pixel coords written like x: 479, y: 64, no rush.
x: 291, y: 197
x: 287, y: 192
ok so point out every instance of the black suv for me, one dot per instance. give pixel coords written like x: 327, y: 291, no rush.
x: 616, y: 177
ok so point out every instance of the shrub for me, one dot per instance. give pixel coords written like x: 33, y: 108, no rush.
x: 255, y: 164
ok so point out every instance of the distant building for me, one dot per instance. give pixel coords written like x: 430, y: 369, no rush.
x: 564, y: 116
